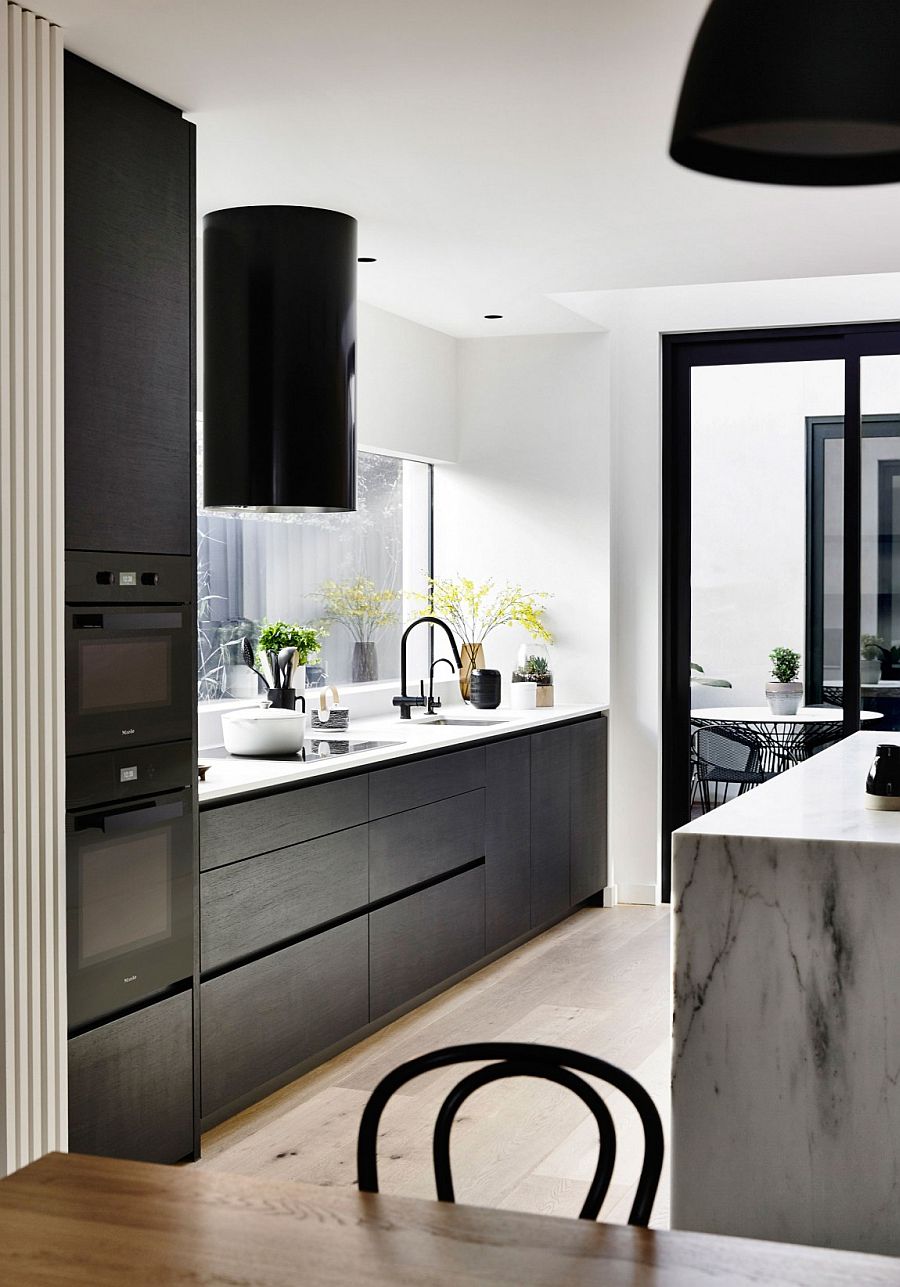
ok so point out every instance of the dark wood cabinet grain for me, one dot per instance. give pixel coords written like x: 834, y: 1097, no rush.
x: 234, y: 831
x: 588, y: 752
x: 549, y: 824
x: 437, y: 777
x: 131, y: 1085
x: 129, y: 269
x: 507, y: 841
x: 251, y: 905
x: 417, y: 942
x: 263, y: 1018
x: 409, y: 848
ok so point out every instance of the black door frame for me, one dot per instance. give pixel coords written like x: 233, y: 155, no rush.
x: 680, y: 354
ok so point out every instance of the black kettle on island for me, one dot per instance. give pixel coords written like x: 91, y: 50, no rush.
x: 883, y: 782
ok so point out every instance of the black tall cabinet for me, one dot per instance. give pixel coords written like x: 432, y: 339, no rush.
x: 130, y: 236
x: 130, y: 488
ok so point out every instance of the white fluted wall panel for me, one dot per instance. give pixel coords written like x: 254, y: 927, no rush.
x: 32, y: 909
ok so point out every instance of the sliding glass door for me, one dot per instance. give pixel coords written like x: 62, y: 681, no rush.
x: 781, y: 521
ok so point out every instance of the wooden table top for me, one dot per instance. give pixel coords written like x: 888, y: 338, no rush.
x: 95, y: 1222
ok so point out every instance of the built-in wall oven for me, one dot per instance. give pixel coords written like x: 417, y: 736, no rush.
x: 130, y: 651
x: 130, y: 768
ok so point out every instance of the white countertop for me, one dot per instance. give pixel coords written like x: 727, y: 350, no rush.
x: 821, y: 799
x: 236, y: 775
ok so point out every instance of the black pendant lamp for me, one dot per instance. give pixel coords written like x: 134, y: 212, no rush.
x: 793, y: 91
x: 279, y: 354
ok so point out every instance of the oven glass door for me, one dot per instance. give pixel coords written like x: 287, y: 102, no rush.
x: 129, y: 904
x: 130, y: 676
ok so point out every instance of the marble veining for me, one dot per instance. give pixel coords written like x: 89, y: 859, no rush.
x: 786, y: 1060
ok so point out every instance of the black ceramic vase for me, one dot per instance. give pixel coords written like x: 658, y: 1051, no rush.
x: 484, y: 689
x: 883, y: 782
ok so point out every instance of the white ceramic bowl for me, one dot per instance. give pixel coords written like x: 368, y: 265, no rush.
x: 263, y: 732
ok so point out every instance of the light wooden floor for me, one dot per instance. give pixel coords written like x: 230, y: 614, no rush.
x: 599, y: 982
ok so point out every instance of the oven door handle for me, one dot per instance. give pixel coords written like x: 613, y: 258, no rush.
x: 131, y: 818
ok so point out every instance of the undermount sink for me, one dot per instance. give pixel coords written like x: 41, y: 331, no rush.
x: 459, y: 723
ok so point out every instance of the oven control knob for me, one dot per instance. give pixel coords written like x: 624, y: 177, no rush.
x: 106, y: 578
x: 149, y: 578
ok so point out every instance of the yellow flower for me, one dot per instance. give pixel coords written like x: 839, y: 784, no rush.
x: 474, y: 609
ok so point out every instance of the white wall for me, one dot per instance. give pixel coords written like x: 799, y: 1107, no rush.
x: 406, y: 387
x: 528, y: 500
x: 637, y: 319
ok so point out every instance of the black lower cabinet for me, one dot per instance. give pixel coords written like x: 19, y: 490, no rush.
x: 507, y: 841
x: 549, y: 825
x: 260, y: 1020
x: 131, y: 1085
x: 587, y: 834
x: 419, y: 941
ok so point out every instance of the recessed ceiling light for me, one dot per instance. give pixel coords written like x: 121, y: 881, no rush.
x: 366, y: 259
x: 492, y: 317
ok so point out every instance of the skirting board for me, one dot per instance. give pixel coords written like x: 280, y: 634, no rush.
x: 635, y: 894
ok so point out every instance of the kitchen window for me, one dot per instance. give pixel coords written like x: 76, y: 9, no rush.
x: 350, y: 573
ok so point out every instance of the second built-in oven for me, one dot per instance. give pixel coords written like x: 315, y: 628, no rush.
x: 130, y: 651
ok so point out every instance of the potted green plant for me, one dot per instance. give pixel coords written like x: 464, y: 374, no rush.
x: 276, y: 635
x: 871, y: 651
x: 784, y: 690
x: 533, y: 667
x: 474, y: 609
x: 364, y: 611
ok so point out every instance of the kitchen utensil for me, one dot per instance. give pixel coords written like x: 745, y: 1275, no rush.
x: 249, y: 659
x: 286, y: 660
x: 274, y: 669
x: 263, y: 732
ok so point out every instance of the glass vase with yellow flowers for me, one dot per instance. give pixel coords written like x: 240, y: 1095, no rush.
x: 475, y: 608
x: 364, y: 611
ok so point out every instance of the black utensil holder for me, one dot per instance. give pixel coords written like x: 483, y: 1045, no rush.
x: 484, y: 689
x: 283, y: 699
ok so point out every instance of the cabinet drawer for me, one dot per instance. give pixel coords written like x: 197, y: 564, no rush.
x: 418, y: 845
x: 260, y: 1020
x: 251, y: 905
x: 419, y: 941
x: 131, y: 1085
x: 235, y: 831
x: 422, y: 781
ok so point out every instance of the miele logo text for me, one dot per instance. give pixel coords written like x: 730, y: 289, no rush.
x: 126, y: 732
x: 130, y: 978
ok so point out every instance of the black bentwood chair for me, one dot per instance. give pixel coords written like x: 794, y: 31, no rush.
x: 521, y: 1059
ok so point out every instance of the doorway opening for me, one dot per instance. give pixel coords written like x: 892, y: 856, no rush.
x: 781, y: 529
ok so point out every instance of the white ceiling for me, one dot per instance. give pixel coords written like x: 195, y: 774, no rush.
x: 495, y: 152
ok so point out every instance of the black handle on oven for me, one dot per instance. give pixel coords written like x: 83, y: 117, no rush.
x: 129, y: 818
x: 127, y: 620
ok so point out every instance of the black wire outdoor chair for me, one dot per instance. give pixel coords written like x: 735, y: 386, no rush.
x: 521, y: 1059
x: 718, y: 762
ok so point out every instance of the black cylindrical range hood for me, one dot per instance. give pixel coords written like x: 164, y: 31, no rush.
x: 279, y: 359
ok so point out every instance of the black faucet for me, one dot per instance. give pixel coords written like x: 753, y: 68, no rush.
x: 431, y: 703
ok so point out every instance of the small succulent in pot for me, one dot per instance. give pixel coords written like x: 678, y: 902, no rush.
x: 784, y: 690
x: 533, y: 667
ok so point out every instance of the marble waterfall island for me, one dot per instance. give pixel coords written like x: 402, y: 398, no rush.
x: 786, y: 1055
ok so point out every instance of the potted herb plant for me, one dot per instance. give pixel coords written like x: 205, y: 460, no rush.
x: 364, y: 611
x: 276, y: 635
x: 784, y: 690
x: 474, y: 609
